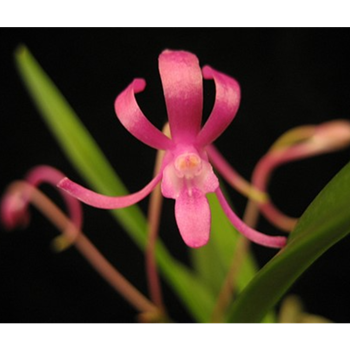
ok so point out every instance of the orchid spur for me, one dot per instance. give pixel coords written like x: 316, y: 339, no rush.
x: 185, y: 174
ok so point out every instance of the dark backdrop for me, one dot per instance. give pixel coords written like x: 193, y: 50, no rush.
x: 288, y: 77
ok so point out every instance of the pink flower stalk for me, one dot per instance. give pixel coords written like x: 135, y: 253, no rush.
x: 186, y: 174
x: 149, y: 311
x: 15, y: 202
x: 327, y: 137
x: 297, y: 144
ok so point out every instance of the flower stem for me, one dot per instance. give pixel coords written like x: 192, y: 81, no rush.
x: 154, y: 214
x: 298, y: 143
x: 234, y: 178
x: 47, y: 174
x: 229, y: 285
x: 87, y: 249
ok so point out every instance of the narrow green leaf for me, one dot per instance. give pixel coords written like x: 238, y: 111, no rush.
x: 213, y: 261
x: 325, y: 222
x: 225, y: 237
x: 85, y: 155
x: 76, y: 142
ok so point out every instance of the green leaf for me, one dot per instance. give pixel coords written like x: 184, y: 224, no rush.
x: 85, y: 155
x: 76, y: 142
x: 325, y: 222
x: 212, y: 262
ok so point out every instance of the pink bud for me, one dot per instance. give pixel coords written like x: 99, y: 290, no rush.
x: 332, y: 135
x: 14, y: 211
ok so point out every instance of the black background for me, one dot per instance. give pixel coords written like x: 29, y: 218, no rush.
x: 288, y: 77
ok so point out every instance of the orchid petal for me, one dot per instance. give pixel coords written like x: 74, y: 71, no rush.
x: 193, y: 217
x: 227, y: 101
x: 132, y: 118
x: 106, y: 202
x: 183, y: 91
x: 251, y: 234
x: 233, y: 177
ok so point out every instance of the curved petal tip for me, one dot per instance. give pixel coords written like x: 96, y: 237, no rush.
x: 133, y: 119
x: 227, y: 100
x: 139, y: 84
x: 208, y: 72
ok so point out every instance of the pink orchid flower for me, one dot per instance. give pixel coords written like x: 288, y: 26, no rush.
x: 186, y: 174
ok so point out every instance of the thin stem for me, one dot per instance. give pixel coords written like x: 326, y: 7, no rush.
x: 154, y: 213
x: 14, y: 207
x: 229, y: 285
x: 233, y: 177
x: 47, y: 174
x: 87, y: 249
x: 261, y: 178
x: 296, y: 144
x: 251, y: 213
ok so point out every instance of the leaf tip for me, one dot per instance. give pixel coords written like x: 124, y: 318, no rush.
x: 21, y: 52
